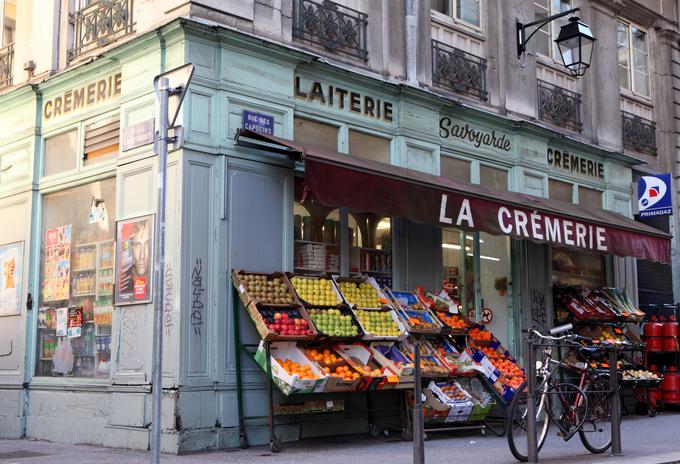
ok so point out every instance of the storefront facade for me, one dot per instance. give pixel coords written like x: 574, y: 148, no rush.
x: 88, y: 166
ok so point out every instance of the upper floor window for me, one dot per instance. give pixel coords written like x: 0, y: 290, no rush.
x: 96, y: 23
x: 463, y: 10
x: 9, y: 20
x: 544, y: 38
x: 633, y: 62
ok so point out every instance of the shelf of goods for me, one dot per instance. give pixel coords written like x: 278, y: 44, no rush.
x: 326, y: 334
x: 661, y: 333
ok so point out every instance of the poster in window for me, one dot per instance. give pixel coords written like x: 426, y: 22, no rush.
x: 134, y: 259
x: 62, y: 321
x: 11, y: 263
x: 57, y: 270
x: 75, y: 322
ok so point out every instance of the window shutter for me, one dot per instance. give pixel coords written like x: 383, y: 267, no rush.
x: 101, y: 139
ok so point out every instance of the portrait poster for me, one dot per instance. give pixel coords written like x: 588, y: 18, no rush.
x: 75, y: 322
x: 11, y: 265
x: 57, y: 271
x: 62, y: 321
x: 134, y: 260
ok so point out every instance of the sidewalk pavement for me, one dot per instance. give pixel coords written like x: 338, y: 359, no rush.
x: 645, y: 441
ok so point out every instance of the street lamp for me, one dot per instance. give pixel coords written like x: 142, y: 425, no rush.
x: 575, y: 41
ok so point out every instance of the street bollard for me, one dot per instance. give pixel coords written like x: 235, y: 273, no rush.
x: 616, y: 403
x: 532, y: 446
x: 418, y: 427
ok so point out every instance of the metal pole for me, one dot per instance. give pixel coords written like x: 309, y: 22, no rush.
x: 418, y: 426
x: 159, y: 263
x: 532, y: 445
x: 616, y: 403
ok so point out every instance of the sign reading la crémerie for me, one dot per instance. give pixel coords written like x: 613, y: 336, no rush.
x: 84, y: 96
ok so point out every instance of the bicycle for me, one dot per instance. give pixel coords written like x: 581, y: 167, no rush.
x: 584, y: 408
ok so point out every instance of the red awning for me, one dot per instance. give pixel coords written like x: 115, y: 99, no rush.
x: 338, y: 180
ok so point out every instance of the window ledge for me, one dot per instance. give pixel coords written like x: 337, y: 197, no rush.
x: 75, y: 383
x: 637, y: 98
x: 553, y: 65
x: 457, y: 25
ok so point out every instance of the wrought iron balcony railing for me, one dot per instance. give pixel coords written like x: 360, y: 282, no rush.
x: 6, y: 64
x: 559, y: 106
x: 639, y: 134
x: 99, y: 24
x: 458, y: 70
x: 332, y: 26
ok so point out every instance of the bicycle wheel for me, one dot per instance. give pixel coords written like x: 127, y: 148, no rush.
x: 596, y: 432
x: 517, y: 422
x: 569, y: 408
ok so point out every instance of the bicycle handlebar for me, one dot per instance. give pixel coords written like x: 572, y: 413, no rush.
x: 560, y: 329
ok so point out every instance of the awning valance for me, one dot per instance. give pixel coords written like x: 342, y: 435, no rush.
x: 338, y: 180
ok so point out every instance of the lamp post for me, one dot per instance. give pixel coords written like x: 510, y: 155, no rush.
x: 575, y: 41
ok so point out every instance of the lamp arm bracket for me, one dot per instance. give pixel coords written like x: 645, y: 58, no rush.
x: 522, y: 41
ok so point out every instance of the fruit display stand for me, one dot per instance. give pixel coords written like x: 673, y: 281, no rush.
x: 416, y: 318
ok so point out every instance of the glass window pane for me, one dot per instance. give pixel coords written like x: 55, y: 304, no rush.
x: 61, y: 153
x: 9, y: 22
x: 624, y: 78
x: 639, y: 39
x: 316, y: 134
x: 590, y: 198
x: 367, y: 146
x: 496, y: 179
x: 495, y: 261
x: 442, y: 6
x: 468, y: 11
x: 641, y: 83
x: 455, y: 169
x: 561, y: 191
x: 576, y: 268
x: 76, y: 270
x: 452, y: 265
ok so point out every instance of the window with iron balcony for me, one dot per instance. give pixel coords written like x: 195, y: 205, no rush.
x: 98, y: 23
x: 332, y: 26
x: 458, y: 70
x: 7, y: 31
x: 559, y: 106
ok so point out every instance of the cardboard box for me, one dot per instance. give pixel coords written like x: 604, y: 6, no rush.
x: 361, y: 358
x: 339, y: 300
x: 371, y: 336
x: 397, y: 362
x: 338, y: 384
x: 359, y: 280
x: 287, y: 383
x: 247, y: 297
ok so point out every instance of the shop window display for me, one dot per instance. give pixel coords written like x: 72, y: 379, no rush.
x: 309, y: 133
x: 455, y: 169
x: 577, y: 268
x: 60, y: 153
x: 562, y: 191
x: 76, y: 281
x: 370, y: 147
x: 590, y: 198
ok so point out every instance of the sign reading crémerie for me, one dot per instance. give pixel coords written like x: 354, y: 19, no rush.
x: 82, y: 97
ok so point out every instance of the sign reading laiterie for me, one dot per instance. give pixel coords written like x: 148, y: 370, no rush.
x: 82, y: 97
x: 343, y: 99
x: 575, y: 164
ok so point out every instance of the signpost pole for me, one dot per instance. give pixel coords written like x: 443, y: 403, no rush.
x: 418, y: 426
x: 159, y: 264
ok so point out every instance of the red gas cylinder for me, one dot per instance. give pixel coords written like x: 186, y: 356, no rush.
x: 655, y: 395
x: 670, y: 329
x: 653, y: 343
x: 653, y: 329
x: 669, y: 343
x: 671, y: 388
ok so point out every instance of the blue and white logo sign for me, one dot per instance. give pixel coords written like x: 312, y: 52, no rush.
x: 258, y: 122
x: 654, y: 195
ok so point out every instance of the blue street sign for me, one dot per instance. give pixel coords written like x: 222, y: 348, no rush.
x: 258, y: 122
x: 655, y: 195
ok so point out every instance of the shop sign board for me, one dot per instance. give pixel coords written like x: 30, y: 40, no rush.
x: 11, y: 265
x: 85, y: 96
x: 258, y: 122
x: 476, y: 137
x: 137, y: 135
x: 654, y: 195
x: 574, y: 164
x: 344, y: 99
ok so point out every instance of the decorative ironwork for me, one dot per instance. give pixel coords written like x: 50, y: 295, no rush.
x: 558, y: 105
x: 331, y: 25
x: 458, y: 70
x: 6, y: 64
x: 99, y: 24
x: 639, y: 134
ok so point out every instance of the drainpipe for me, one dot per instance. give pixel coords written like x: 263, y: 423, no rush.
x: 411, y: 43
